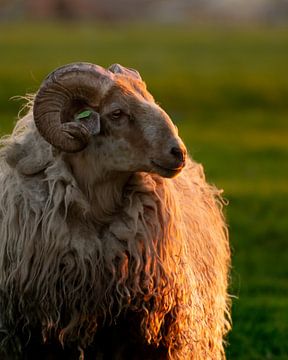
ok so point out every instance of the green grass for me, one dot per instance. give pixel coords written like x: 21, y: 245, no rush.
x: 227, y: 90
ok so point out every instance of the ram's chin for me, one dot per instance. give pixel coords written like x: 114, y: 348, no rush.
x: 165, y: 171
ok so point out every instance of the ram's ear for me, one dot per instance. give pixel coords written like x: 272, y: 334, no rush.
x: 90, y: 119
x: 119, y: 69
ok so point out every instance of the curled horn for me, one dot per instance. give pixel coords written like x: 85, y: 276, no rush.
x: 119, y: 69
x: 79, y: 83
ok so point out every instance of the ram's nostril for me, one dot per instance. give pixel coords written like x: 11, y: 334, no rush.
x: 178, y: 153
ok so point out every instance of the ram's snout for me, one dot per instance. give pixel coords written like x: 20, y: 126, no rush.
x: 172, y: 161
x: 169, y: 152
x: 178, y: 153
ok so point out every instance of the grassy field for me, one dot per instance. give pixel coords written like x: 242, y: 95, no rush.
x: 227, y: 90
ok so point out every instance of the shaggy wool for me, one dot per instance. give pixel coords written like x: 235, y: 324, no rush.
x: 163, y: 256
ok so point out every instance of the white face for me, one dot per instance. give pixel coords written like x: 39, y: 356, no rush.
x: 137, y: 135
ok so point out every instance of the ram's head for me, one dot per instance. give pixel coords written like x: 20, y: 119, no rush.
x: 109, y: 113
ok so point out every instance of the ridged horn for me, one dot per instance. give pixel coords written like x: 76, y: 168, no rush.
x: 119, y: 69
x: 78, y: 82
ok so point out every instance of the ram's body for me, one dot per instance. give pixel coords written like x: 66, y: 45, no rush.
x: 136, y: 270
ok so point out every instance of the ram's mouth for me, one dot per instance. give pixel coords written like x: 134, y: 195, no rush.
x: 165, y: 171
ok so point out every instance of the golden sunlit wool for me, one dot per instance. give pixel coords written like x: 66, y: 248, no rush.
x: 164, y: 255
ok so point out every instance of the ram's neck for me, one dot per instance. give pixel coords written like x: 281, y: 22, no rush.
x: 104, y: 191
x: 106, y: 197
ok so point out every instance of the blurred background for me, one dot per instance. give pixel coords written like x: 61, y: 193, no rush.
x: 220, y: 69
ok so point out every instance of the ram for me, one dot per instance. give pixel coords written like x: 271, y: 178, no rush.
x: 112, y: 244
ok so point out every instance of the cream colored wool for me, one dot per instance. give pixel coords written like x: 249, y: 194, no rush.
x: 164, y: 253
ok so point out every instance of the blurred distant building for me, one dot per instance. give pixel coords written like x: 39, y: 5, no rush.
x: 153, y: 10
x: 59, y: 8
x: 105, y: 10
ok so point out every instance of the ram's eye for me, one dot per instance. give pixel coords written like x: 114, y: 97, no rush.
x: 116, y: 114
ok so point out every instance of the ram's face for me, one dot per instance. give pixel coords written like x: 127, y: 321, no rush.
x: 136, y: 134
x: 110, y: 116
